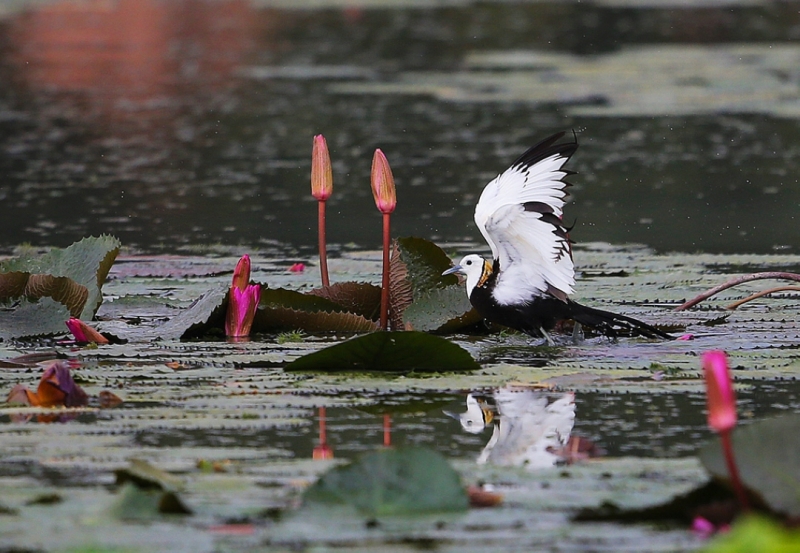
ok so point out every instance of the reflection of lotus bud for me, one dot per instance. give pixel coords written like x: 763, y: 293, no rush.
x: 242, y: 301
x: 321, y: 171
x: 383, y: 189
x: 719, y: 391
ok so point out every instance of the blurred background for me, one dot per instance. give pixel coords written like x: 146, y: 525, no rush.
x: 186, y: 125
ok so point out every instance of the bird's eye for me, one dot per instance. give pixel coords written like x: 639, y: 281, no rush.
x: 469, y: 423
x: 469, y: 262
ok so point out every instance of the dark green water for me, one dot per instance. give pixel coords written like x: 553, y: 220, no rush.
x: 189, y: 123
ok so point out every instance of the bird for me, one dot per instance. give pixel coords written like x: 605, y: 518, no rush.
x: 527, y: 284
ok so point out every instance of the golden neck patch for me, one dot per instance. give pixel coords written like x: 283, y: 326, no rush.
x: 487, y: 272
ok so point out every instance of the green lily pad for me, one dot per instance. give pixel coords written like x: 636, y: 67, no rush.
x: 441, y: 310
x: 425, y: 262
x: 87, y: 262
x: 386, y: 482
x: 416, y: 277
x: 394, y: 352
x: 34, y: 318
x: 768, y: 458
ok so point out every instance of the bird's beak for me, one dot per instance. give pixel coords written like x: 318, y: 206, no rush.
x: 453, y: 269
x: 452, y: 415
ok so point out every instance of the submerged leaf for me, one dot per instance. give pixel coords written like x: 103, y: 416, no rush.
x: 398, y: 352
x: 768, y: 457
x: 386, y: 482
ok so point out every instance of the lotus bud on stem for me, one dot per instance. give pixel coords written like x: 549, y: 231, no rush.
x: 386, y: 200
x: 722, y: 413
x: 242, y: 301
x: 321, y: 189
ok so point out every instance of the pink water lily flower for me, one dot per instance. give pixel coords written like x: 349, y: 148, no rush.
x: 243, y: 301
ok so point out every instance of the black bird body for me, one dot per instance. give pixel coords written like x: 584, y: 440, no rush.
x: 527, y: 284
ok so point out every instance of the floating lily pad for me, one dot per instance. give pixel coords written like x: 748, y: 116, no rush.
x: 34, y: 318
x: 403, y: 481
x: 768, y: 457
x: 394, y: 352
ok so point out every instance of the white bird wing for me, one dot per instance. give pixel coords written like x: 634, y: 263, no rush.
x: 519, y: 213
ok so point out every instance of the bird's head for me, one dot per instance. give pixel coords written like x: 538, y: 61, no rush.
x: 475, y: 268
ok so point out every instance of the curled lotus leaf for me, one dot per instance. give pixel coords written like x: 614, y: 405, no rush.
x: 64, y: 290
x: 360, y: 298
x: 87, y: 262
x: 276, y: 318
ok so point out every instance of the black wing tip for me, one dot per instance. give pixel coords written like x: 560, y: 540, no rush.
x: 546, y: 148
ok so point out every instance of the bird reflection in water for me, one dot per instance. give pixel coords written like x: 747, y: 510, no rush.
x: 529, y: 429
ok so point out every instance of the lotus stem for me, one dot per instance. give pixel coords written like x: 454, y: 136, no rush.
x: 757, y: 295
x: 323, y: 254
x: 386, y: 269
x: 733, y: 470
x: 323, y: 436
x: 735, y: 282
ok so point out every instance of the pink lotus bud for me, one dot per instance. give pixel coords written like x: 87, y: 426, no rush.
x: 321, y: 171
x: 84, y: 333
x: 241, y: 274
x: 719, y: 390
x: 383, y: 184
x: 242, y: 305
x: 297, y: 268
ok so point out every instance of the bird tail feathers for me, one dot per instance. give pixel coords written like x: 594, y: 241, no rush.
x: 614, y: 324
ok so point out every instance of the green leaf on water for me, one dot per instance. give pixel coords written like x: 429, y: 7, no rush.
x: 87, y: 262
x: 441, y: 310
x: 425, y: 262
x: 386, y: 482
x: 394, y: 352
x: 768, y: 457
x: 34, y: 318
x: 416, y: 276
